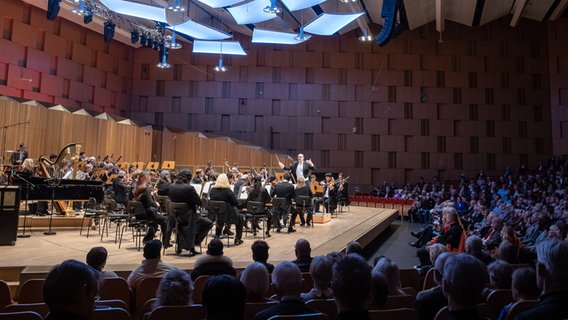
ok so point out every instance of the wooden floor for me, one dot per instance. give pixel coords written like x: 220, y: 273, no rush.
x: 40, y: 251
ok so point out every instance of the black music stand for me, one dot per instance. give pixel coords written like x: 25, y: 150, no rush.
x: 52, y: 183
x: 28, y: 184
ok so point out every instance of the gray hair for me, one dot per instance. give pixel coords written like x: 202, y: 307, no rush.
x: 553, y: 255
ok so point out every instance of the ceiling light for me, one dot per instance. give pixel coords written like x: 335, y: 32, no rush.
x: 329, y: 23
x: 294, y: 5
x: 219, y: 47
x: 176, y: 7
x: 88, y: 16
x: 271, y: 36
x: 302, y: 36
x: 135, y: 9
x: 366, y: 37
x: 199, y: 31
x: 347, y: 1
x: 163, y: 64
x: 52, y: 9
x: 220, y: 67
x: 108, y: 34
x: 220, y: 3
x: 251, y: 12
x: 80, y: 10
x: 171, y: 43
x: 272, y: 8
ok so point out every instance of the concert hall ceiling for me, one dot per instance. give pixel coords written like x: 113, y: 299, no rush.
x: 237, y: 19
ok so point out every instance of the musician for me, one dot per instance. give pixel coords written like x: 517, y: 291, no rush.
x: 142, y: 193
x: 329, y: 199
x: 283, y: 189
x: 300, y: 168
x: 20, y: 155
x: 302, y: 189
x: 342, y: 187
x: 121, y: 187
x: 164, y: 182
x: 64, y: 170
x: 191, y: 226
x: 28, y: 168
x: 221, y: 192
x: 209, y: 174
x: 259, y: 193
x: 199, y: 177
x: 83, y: 156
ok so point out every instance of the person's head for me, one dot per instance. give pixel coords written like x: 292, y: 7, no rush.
x: 255, y: 278
x: 435, y: 250
x: 215, y: 247
x: 287, y: 176
x: 302, y: 248
x: 351, y: 282
x: 175, y: 289
x: 391, y: 272
x: 500, y: 274
x: 165, y: 175
x: 439, y: 266
x: 23, y: 146
x: 287, y: 279
x: 152, y: 249
x: 321, y: 271
x: 379, y: 289
x: 72, y: 286
x: 301, y: 183
x: 300, y: 157
x: 199, y: 173
x: 97, y: 258
x: 497, y: 224
x: 260, y: 250
x: 465, y: 276
x: 184, y: 176
x: 552, y: 265
x: 143, y: 179
x: 52, y: 157
x: 353, y: 247
x: 473, y: 245
x: 328, y: 176
x: 222, y: 181
x: 224, y: 298
x: 507, y: 252
x: 523, y: 285
x: 28, y: 164
x: 452, y: 214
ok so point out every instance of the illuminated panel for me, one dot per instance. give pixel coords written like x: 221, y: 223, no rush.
x: 294, y: 5
x: 276, y: 37
x: 220, y: 3
x: 219, y: 47
x: 199, y: 31
x: 329, y: 23
x: 135, y: 9
x: 251, y: 12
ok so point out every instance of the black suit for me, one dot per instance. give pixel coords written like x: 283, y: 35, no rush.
x: 428, y: 302
x: 285, y: 190
x: 305, y: 170
x: 15, y: 157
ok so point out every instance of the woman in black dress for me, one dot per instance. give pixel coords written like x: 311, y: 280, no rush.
x: 143, y: 193
x: 221, y: 192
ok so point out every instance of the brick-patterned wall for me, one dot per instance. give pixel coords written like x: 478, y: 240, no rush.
x: 558, y: 66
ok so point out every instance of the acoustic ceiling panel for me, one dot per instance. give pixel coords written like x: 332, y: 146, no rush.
x: 219, y: 47
x: 220, y: 3
x: 276, y: 37
x: 134, y: 9
x: 329, y: 23
x: 199, y: 31
x: 251, y: 12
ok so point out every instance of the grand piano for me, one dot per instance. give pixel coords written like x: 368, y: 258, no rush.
x: 60, y: 191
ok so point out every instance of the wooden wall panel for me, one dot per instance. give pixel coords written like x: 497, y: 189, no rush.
x: 12, y: 53
x: 81, y: 91
x: 21, y: 78
x: 271, y: 91
x: 55, y: 45
x: 452, y: 111
x: 69, y: 69
x: 24, y: 34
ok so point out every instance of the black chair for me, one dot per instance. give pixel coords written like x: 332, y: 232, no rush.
x: 216, y: 208
x: 94, y: 213
x: 280, y: 206
x: 163, y: 201
x: 304, y: 206
x: 114, y: 214
x: 139, y: 226
x: 256, y: 211
x: 176, y: 209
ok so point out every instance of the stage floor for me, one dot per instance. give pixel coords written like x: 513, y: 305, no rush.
x: 40, y: 251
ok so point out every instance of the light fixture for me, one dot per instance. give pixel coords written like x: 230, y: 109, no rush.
x: 366, y: 37
x: 108, y: 34
x: 347, y: 1
x: 163, y: 64
x: 171, y: 42
x: 302, y: 36
x: 80, y: 10
x: 176, y: 7
x: 134, y: 36
x: 52, y: 9
x: 272, y: 8
x: 220, y: 67
x: 88, y: 16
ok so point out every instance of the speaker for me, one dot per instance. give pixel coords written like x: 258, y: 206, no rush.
x: 9, y: 208
x: 52, y: 9
x: 389, y: 11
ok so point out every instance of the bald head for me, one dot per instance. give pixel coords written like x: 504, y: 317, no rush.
x: 303, y: 248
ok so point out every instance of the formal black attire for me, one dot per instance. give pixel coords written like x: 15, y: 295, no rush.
x: 191, y: 227
x: 231, y: 215
x: 287, y: 306
x: 303, y: 263
x: 121, y: 191
x: 429, y: 302
x: 151, y: 214
x: 263, y: 196
x: 285, y: 190
x: 197, y: 180
x: 18, y: 157
x: 305, y: 168
x: 329, y: 199
x: 551, y: 306
x: 451, y: 237
x: 303, y: 191
x: 343, y: 192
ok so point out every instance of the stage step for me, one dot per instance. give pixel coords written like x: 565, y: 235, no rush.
x: 58, y: 222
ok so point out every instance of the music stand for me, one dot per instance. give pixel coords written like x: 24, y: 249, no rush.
x: 152, y: 165
x: 28, y: 183
x: 52, y: 183
x: 169, y: 165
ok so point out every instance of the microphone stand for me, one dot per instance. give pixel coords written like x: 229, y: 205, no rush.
x: 4, y: 129
x: 28, y: 184
x: 52, y: 183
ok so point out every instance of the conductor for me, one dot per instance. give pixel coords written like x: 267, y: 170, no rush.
x: 300, y: 168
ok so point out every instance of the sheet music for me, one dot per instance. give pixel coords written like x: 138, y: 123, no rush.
x: 198, y: 187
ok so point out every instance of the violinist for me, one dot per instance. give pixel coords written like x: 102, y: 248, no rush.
x: 163, y: 183
x: 342, y: 187
x: 199, y: 177
x: 329, y: 199
x: 121, y: 189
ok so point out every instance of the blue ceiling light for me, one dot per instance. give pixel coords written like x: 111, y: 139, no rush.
x: 219, y: 3
x: 366, y: 37
x: 218, y: 47
x: 198, y: 31
x: 302, y: 36
x: 163, y: 64
x: 171, y: 42
x: 220, y: 67
x: 251, y: 12
x: 176, y: 7
x: 294, y: 5
x: 272, y: 8
x: 136, y: 9
x: 328, y: 24
x: 275, y: 37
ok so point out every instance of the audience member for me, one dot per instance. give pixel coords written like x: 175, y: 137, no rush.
x: 224, y: 298
x: 151, y: 266
x: 214, y: 262
x: 351, y: 285
x: 552, y: 279
x: 499, y: 276
x: 303, y: 255
x: 354, y: 247
x: 390, y: 270
x: 321, y: 272
x: 70, y: 291
x: 256, y: 279
x: 379, y: 291
x: 464, y: 279
x: 523, y: 287
x: 474, y: 247
x: 287, y: 279
x: 429, y: 301
x: 260, y: 254
x: 97, y: 258
x: 175, y: 289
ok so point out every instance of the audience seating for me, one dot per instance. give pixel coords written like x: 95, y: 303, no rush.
x: 31, y: 291
x: 397, y: 302
x: 114, y: 303
x: 148, y: 306
x: 498, y: 299
x: 483, y: 310
x: 410, y: 291
x: 311, y: 316
x: 110, y: 314
x: 39, y: 308
x: 393, y: 314
x: 429, y: 280
x: 308, y: 282
x: 252, y: 308
x: 5, y: 294
x: 410, y: 278
x: 177, y: 312
x: 198, y: 285
x: 145, y: 291
x: 326, y: 306
x: 519, y: 307
x: 116, y: 288
x: 24, y: 315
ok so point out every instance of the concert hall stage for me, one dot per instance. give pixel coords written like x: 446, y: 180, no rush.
x: 34, y: 255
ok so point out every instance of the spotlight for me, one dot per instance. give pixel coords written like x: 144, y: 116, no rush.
x: 302, y: 36
x: 144, y: 40
x: 163, y: 63
x: 176, y: 7
x: 272, y: 8
x: 88, y: 17
x: 366, y: 37
x: 134, y: 36
x: 52, y: 9
x: 220, y: 67
x: 108, y: 31
x: 171, y: 43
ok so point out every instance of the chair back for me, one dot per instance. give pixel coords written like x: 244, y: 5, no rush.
x: 497, y: 299
x: 135, y: 208
x: 40, y: 308
x: 163, y: 201
x: 255, y: 207
x: 198, y: 286
x: 393, y: 314
x: 279, y: 203
x: 23, y: 315
x: 116, y: 289
x: 410, y: 278
x: 429, y: 280
x: 148, y: 306
x: 177, y: 312
x: 114, y: 303
x: 519, y: 307
x: 110, y: 313
x: 308, y: 316
x: 402, y: 301
x: 303, y: 202
x: 31, y: 291
x: 216, y: 207
x: 145, y: 291
x: 5, y: 294
x: 177, y: 208
x: 326, y: 306
x: 252, y: 308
